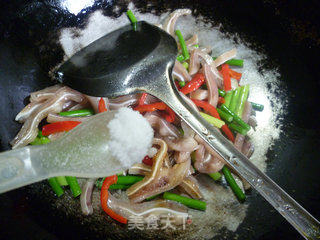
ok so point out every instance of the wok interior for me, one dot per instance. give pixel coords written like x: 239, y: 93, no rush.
x: 291, y: 160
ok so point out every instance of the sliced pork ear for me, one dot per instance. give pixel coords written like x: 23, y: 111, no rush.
x: 211, y: 81
x: 181, y: 157
x: 180, y: 72
x: 51, y: 118
x: 86, y: 196
x: 157, y: 208
x: 164, y: 128
x: 190, y: 42
x: 194, y: 65
x: 170, y: 22
x: 161, y: 178
x: 205, y: 162
x: 45, y: 93
x: 225, y: 57
x: 185, y: 144
x: 123, y: 101
x: 27, y: 111
x: 199, y: 94
x: 191, y: 186
x: 55, y: 104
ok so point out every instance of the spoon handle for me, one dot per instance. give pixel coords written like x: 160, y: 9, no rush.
x: 17, y: 169
x: 295, y: 214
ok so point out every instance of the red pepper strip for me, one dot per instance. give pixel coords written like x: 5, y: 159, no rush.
x: 194, y: 84
x: 102, y: 106
x: 104, y: 199
x: 151, y: 107
x: 213, y: 112
x: 142, y: 99
x: 227, y: 132
x: 226, y: 77
x: 221, y: 100
x: 147, y: 160
x: 170, y: 116
x: 234, y: 74
x: 58, y: 127
x: 207, y: 107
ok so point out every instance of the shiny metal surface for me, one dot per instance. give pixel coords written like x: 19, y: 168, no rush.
x: 151, y: 72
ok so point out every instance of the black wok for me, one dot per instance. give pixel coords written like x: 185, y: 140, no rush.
x: 286, y: 31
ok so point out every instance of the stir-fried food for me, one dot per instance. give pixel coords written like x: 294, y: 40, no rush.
x: 166, y: 179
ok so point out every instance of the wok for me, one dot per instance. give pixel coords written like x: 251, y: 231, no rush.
x: 287, y: 32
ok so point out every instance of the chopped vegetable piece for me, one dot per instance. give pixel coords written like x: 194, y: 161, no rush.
x: 151, y: 107
x: 55, y: 186
x: 186, y: 65
x: 147, y: 160
x: 62, y: 181
x: 142, y: 99
x: 182, y: 83
x: 227, y: 132
x: 194, y: 84
x: 222, y: 93
x: 233, y: 62
x: 242, y: 100
x: 228, y: 98
x: 196, y: 45
x: 40, y: 139
x: 235, y: 99
x: 207, y: 107
x: 235, y: 75
x: 237, y: 128
x: 184, y: 49
x: 132, y: 19
x: 213, y: 112
x: 189, y: 202
x: 225, y: 116
x: 233, y: 185
x: 226, y: 77
x: 104, y: 199
x: 221, y: 100
x: 74, y: 186
x: 119, y: 186
x: 122, y: 180
x: 236, y: 118
x: 181, y: 131
x: 36, y: 141
x: 102, y: 106
x: 180, y: 58
x: 215, y: 176
x: 77, y: 113
x: 257, y: 106
x: 170, y: 115
x: 128, y: 180
x: 59, y: 127
x: 214, y: 121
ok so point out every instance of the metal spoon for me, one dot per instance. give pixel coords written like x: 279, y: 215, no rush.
x: 127, y: 61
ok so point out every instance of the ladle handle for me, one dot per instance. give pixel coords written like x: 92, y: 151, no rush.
x: 17, y: 168
x: 295, y: 214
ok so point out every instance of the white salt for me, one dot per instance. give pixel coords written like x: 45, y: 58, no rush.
x: 130, y: 136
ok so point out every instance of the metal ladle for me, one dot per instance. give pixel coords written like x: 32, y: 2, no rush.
x: 127, y: 61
